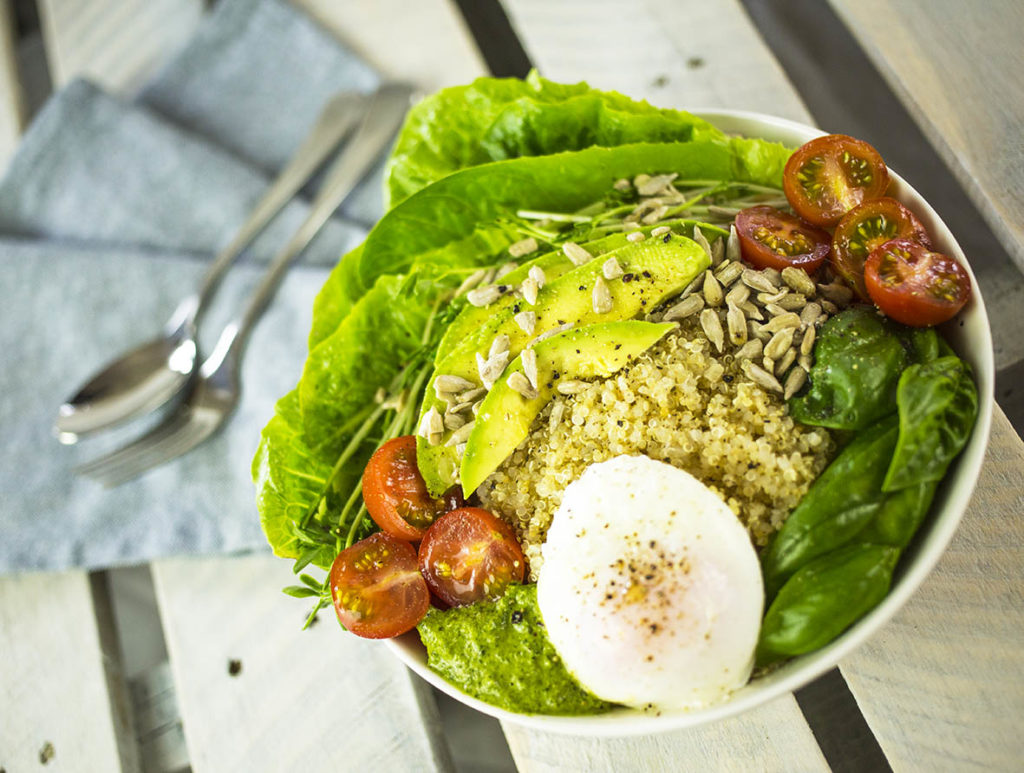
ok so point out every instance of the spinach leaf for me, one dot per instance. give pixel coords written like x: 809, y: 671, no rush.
x: 858, y: 359
x: 938, y: 404
x: 824, y: 598
x: 493, y: 119
x: 452, y: 208
x: 840, y: 503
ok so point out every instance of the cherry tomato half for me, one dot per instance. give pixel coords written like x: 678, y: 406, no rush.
x: 469, y: 555
x: 377, y: 588
x: 828, y: 176
x: 771, y: 238
x: 866, y: 227
x: 914, y: 285
x: 396, y: 496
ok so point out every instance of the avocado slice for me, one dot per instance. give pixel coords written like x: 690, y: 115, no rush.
x: 654, y: 270
x: 505, y: 417
x: 554, y: 264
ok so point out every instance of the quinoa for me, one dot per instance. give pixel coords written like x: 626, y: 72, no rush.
x: 682, y: 403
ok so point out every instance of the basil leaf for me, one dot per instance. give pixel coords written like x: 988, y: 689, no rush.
x: 938, y: 404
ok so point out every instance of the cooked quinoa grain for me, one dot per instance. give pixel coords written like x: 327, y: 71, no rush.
x: 681, y: 403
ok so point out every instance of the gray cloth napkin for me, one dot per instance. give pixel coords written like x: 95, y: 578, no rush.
x: 108, y: 213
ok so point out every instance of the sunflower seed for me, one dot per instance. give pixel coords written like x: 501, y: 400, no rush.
x: 807, y: 343
x: 611, y: 269
x: 732, y: 245
x: 471, y: 281
x: 447, y: 384
x: 694, y: 284
x: 570, y: 386
x: 576, y: 254
x: 483, y: 296
x: 737, y: 324
x: 507, y: 268
x: 792, y: 301
x: 459, y: 407
x: 794, y: 382
x: 521, y: 384
x: 712, y: 290
x: 536, y: 273
x: 750, y: 309
x: 557, y: 411
x: 774, y: 309
x: 476, y: 407
x: 839, y: 294
x: 751, y: 350
x: 728, y: 272
x: 654, y: 215
x: 805, y: 361
x: 490, y: 369
x: 529, y: 290
x: 773, y: 275
x: 755, y: 280
x: 622, y: 185
x: 779, y: 343
x: 766, y: 298
x: 797, y: 280
x: 661, y: 230
x: 549, y: 333
x: 601, y: 298
x: 712, y: 327
x: 760, y: 376
x: 636, y: 236
x: 768, y: 363
x: 756, y: 330
x: 783, y: 364
x: 809, y: 314
x: 738, y: 295
x: 702, y: 240
x: 640, y: 179
x: 461, y: 435
x: 432, y: 426
x: 471, y: 395
x: 453, y: 420
x: 529, y: 358
x: 685, y: 308
x: 784, y: 320
x: 527, y: 320
x: 717, y: 251
x: 653, y: 185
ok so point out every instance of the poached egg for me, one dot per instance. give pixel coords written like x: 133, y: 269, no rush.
x: 650, y: 588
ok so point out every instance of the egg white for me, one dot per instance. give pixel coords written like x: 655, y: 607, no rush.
x: 650, y: 588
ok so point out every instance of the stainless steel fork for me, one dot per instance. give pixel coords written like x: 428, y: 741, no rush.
x: 216, y: 389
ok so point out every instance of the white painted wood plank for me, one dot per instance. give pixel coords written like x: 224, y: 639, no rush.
x: 942, y: 685
x: 673, y: 53
x: 318, y: 699
x: 12, y: 116
x: 771, y: 738
x: 116, y: 43
x: 957, y: 67
x: 60, y: 694
x: 425, y: 42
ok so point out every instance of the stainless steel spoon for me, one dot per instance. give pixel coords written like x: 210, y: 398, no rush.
x: 150, y: 375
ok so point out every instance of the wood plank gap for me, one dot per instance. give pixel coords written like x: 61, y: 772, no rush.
x: 495, y: 37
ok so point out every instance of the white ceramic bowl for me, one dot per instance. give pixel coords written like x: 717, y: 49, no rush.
x: 970, y: 336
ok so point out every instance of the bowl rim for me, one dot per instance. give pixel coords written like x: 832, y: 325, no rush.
x: 954, y: 495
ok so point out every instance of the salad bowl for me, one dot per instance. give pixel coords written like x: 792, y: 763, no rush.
x: 969, y: 335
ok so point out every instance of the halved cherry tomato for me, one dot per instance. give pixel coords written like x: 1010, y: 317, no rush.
x: 828, y: 176
x: 469, y: 555
x: 377, y: 588
x: 914, y: 285
x: 771, y: 238
x: 396, y: 496
x: 866, y: 227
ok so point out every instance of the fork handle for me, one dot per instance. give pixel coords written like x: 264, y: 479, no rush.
x: 383, y: 116
x: 335, y: 120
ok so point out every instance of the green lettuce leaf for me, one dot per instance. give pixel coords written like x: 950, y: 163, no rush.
x: 493, y: 119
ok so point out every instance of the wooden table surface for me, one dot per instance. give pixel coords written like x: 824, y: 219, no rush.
x: 940, y: 686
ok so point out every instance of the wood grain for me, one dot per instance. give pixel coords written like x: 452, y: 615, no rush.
x: 957, y: 67
x: 61, y: 694
x: 773, y: 737
x: 674, y: 53
x: 941, y: 685
x: 425, y: 42
x: 299, y: 700
x: 116, y: 43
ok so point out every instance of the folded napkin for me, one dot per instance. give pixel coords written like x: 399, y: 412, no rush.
x: 109, y: 212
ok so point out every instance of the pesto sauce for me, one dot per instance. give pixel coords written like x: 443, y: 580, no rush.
x: 499, y: 652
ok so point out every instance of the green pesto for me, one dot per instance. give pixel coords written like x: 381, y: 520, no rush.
x: 499, y: 652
